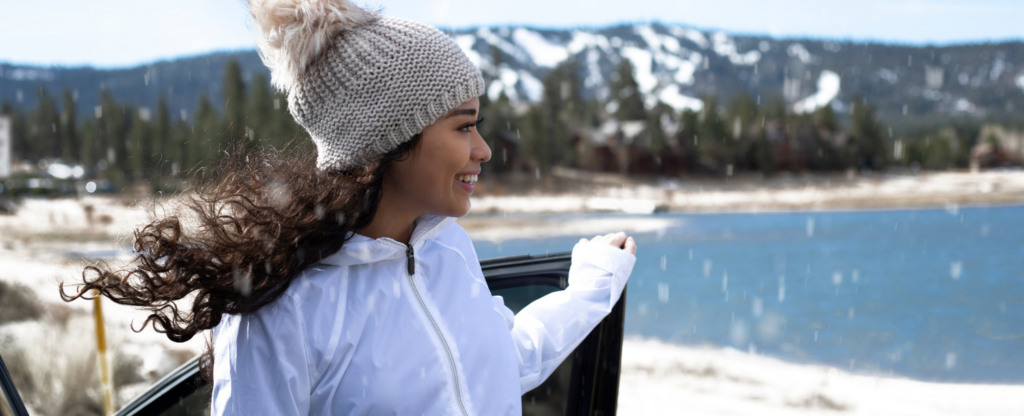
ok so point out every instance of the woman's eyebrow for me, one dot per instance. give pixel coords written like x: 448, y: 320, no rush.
x: 461, y: 112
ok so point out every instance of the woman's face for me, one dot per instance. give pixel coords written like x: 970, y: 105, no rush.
x: 437, y: 178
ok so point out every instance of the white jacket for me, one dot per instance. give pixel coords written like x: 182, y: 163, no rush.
x: 358, y: 334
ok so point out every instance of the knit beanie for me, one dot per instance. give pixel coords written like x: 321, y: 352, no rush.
x: 359, y: 83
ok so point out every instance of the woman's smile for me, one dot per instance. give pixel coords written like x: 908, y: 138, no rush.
x: 467, y: 180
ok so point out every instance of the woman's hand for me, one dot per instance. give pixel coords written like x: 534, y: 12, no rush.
x: 618, y: 239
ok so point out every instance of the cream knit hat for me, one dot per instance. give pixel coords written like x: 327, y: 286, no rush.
x: 359, y: 83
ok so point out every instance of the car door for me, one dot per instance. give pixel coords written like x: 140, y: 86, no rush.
x: 586, y: 383
x: 10, y: 401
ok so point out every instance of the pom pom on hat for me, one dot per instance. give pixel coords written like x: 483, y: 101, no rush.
x: 292, y: 34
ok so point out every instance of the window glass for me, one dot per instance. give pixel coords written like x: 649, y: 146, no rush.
x: 5, y: 405
x: 195, y: 404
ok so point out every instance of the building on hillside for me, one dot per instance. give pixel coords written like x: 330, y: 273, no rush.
x: 612, y: 147
x: 626, y: 147
x: 997, y: 146
x: 505, y: 153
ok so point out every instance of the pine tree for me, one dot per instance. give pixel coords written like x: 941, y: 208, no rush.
x: 499, y: 126
x: 178, y: 145
x: 43, y: 138
x: 760, y: 153
x: 285, y: 132
x: 138, y: 143
x: 114, y: 126
x: 163, y: 150
x: 826, y: 118
x: 557, y: 119
x: 71, y: 146
x: 234, y: 102
x: 688, y: 138
x: 742, y: 112
x: 533, y: 137
x: 258, y: 109
x: 716, y: 149
x: 870, y: 148
x: 18, y: 130
x: 654, y: 134
x: 205, y: 141
x: 626, y: 92
x: 89, y: 152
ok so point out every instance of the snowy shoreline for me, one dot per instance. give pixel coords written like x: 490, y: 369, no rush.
x: 782, y: 193
x: 665, y: 379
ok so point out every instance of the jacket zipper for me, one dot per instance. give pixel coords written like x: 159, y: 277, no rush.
x: 447, y: 349
x: 411, y: 268
x: 410, y: 264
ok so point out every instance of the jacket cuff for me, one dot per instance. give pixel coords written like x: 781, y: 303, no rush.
x: 611, y: 259
x: 597, y: 265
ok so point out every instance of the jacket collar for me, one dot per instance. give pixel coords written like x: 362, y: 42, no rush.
x: 360, y: 249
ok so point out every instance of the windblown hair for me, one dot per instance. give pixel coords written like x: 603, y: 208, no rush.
x: 247, y: 235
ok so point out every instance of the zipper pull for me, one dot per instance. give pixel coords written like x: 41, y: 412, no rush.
x: 411, y: 265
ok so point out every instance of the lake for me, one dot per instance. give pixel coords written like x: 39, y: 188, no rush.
x: 929, y: 294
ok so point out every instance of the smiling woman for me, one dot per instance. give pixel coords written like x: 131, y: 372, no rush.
x: 339, y: 283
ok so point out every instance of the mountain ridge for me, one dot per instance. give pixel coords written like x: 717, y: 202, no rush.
x: 674, y: 64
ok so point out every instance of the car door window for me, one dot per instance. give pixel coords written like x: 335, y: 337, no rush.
x: 587, y: 382
x: 195, y: 404
x: 580, y: 385
x: 551, y: 397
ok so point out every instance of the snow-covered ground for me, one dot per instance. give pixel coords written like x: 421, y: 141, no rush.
x: 664, y: 379
x: 39, y: 245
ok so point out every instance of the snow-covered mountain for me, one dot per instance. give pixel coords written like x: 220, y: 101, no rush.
x: 676, y: 65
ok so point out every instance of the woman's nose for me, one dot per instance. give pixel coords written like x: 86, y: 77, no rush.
x: 481, y: 151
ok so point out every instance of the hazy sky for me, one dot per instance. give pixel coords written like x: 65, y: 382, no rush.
x: 115, y: 33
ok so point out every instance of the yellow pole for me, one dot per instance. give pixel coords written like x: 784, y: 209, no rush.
x: 101, y: 347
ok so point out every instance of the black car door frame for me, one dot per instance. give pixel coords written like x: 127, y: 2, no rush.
x: 10, y: 392
x: 593, y: 389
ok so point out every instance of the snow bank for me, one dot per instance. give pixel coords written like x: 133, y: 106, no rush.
x: 670, y: 95
x: 753, y: 194
x: 665, y: 379
x: 498, y: 229
x: 828, y: 89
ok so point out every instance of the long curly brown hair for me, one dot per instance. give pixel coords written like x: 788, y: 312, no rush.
x: 239, y: 239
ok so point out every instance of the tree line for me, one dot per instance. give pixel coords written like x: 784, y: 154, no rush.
x: 126, y: 143
x: 749, y: 134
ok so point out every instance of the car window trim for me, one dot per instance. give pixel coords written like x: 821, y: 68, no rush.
x: 10, y: 391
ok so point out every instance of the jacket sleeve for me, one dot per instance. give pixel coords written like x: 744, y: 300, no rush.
x: 260, y: 364
x: 546, y: 331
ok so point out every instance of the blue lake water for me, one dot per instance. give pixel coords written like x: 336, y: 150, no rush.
x: 930, y: 294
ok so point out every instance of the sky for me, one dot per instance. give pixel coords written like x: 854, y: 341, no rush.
x: 121, y: 33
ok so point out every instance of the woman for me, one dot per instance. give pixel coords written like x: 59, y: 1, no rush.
x: 347, y: 288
